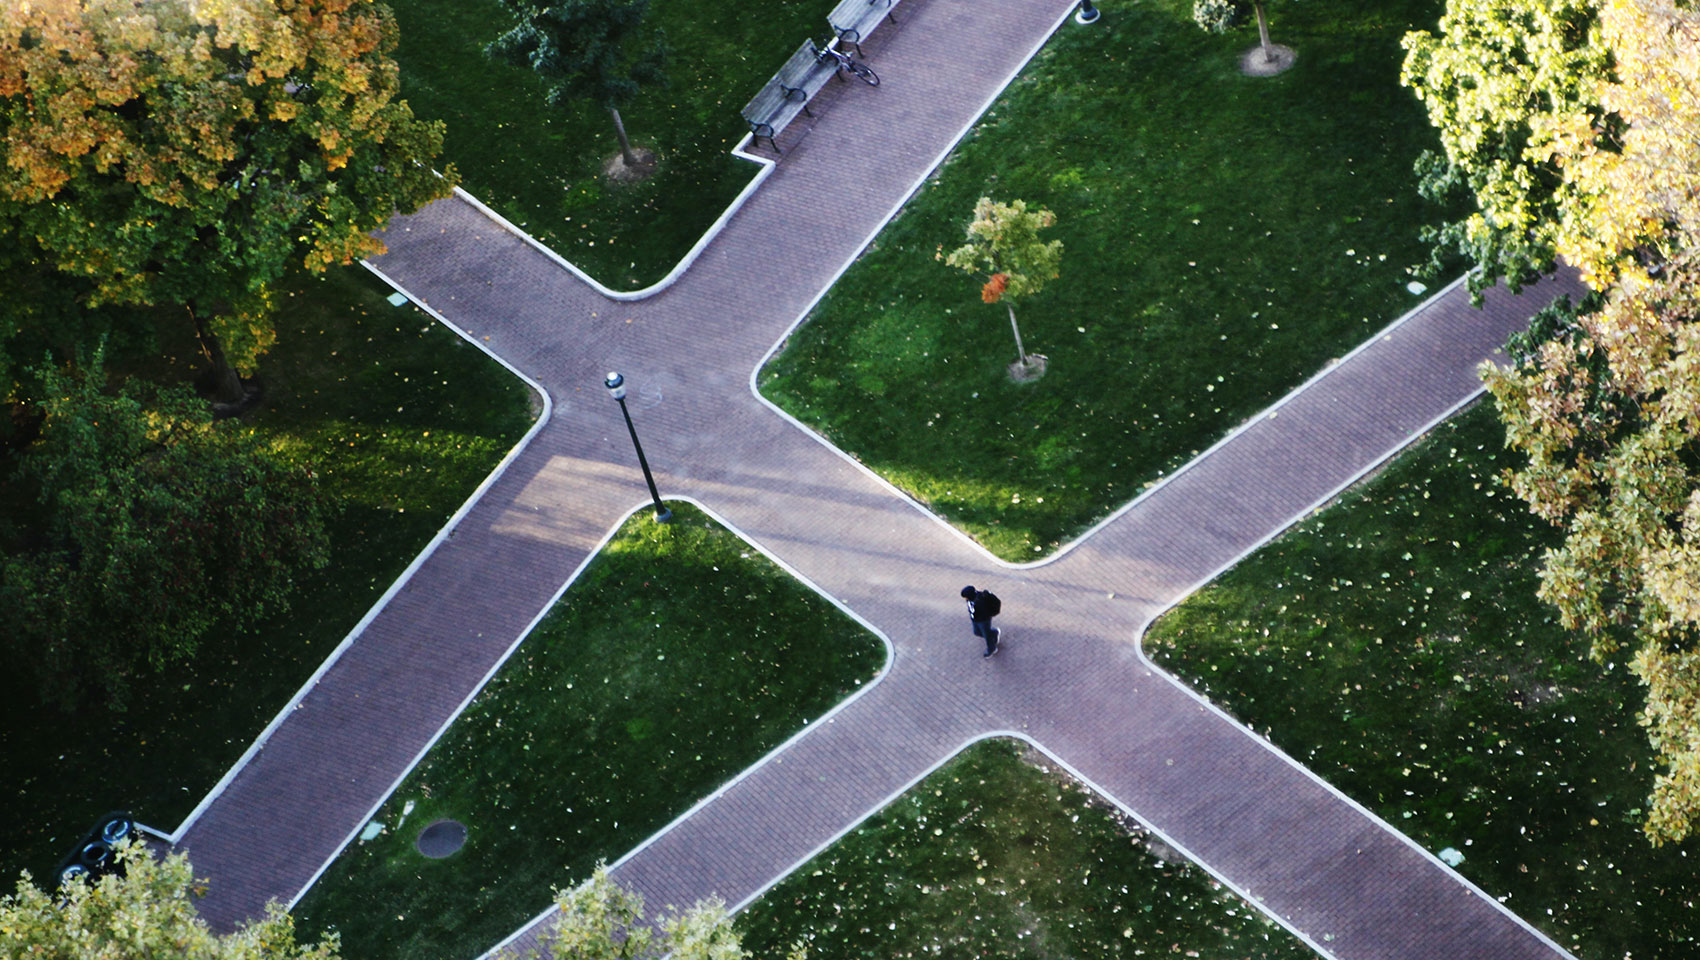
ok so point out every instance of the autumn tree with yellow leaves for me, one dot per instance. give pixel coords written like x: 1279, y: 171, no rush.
x: 186, y: 153
x: 1605, y: 402
x: 601, y: 920
x: 1490, y: 77
x: 148, y: 910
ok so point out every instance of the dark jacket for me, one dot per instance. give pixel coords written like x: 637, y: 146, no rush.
x: 983, y: 606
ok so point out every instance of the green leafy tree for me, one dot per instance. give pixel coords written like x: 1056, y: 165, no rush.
x: 1004, y: 246
x: 158, y: 524
x: 1498, y: 80
x: 586, y: 50
x: 601, y: 920
x: 144, y: 913
x: 184, y: 154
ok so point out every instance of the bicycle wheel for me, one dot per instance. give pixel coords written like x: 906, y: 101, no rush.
x: 865, y: 73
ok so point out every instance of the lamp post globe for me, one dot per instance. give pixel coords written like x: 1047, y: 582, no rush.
x: 1087, y: 13
x: 616, y: 385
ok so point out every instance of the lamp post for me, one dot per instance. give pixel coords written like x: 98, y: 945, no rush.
x: 616, y: 385
x: 1087, y: 13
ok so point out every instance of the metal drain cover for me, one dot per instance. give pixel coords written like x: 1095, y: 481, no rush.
x: 441, y: 839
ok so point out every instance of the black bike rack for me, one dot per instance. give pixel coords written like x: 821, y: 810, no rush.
x: 94, y: 856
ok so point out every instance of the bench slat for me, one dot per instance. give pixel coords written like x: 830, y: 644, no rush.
x: 787, y: 92
x: 854, y: 20
x: 800, y: 66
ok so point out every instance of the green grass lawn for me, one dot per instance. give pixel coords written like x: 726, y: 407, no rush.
x: 1224, y: 237
x: 678, y: 659
x: 1394, y: 644
x: 402, y: 419
x: 994, y: 856
x: 541, y: 167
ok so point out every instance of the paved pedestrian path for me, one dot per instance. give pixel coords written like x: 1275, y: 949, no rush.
x: 1072, y: 677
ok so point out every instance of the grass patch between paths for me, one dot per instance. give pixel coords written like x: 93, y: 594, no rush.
x: 1394, y: 645
x: 1224, y: 238
x: 402, y: 419
x: 541, y: 167
x: 991, y: 856
x: 678, y: 659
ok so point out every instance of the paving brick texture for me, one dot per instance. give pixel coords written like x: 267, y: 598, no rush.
x: 1071, y: 675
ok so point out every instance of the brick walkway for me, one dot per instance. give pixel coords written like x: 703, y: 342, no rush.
x: 1072, y: 677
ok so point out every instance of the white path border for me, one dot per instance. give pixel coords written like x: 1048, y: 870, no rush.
x: 1115, y: 515
x: 1247, y: 424
x: 1321, y: 949
x: 765, y: 170
x: 890, y: 215
x: 1140, y: 631
x: 808, y: 724
x: 1077, y: 775
x: 1244, y: 894
x: 1139, y: 647
x: 513, y: 454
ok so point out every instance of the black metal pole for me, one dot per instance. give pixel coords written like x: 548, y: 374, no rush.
x: 1087, y: 12
x: 662, y: 514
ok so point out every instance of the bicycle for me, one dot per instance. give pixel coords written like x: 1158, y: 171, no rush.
x: 856, y: 68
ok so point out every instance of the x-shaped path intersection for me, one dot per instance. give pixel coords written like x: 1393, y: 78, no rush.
x: 1071, y: 678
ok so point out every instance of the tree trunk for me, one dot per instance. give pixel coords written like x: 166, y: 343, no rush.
x: 1263, y: 31
x: 1020, y: 351
x: 227, y: 386
x: 620, y: 132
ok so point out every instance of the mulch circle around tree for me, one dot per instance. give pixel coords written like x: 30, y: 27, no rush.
x: 617, y: 169
x: 1255, y: 64
x: 441, y: 839
x: 1029, y: 368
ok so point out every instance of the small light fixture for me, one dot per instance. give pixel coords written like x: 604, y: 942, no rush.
x: 616, y: 385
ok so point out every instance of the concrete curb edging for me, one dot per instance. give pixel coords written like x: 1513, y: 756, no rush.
x: 762, y: 761
x: 176, y: 836
x: 1244, y: 894
x: 1270, y: 411
x: 1077, y: 775
x: 885, y: 221
x: 494, y: 953
x: 1114, y: 515
x: 808, y: 724
x: 1060, y: 552
x: 465, y: 702
x: 1184, y: 687
x: 1140, y: 632
x: 765, y: 170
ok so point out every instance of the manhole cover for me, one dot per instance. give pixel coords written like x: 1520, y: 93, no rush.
x: 441, y: 838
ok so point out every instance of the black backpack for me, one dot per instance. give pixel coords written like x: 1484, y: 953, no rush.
x: 987, y: 605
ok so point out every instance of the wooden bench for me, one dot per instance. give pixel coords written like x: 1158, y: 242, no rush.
x: 853, y: 20
x: 787, y: 93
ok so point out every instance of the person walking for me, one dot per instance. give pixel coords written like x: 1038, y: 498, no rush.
x: 983, y: 605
